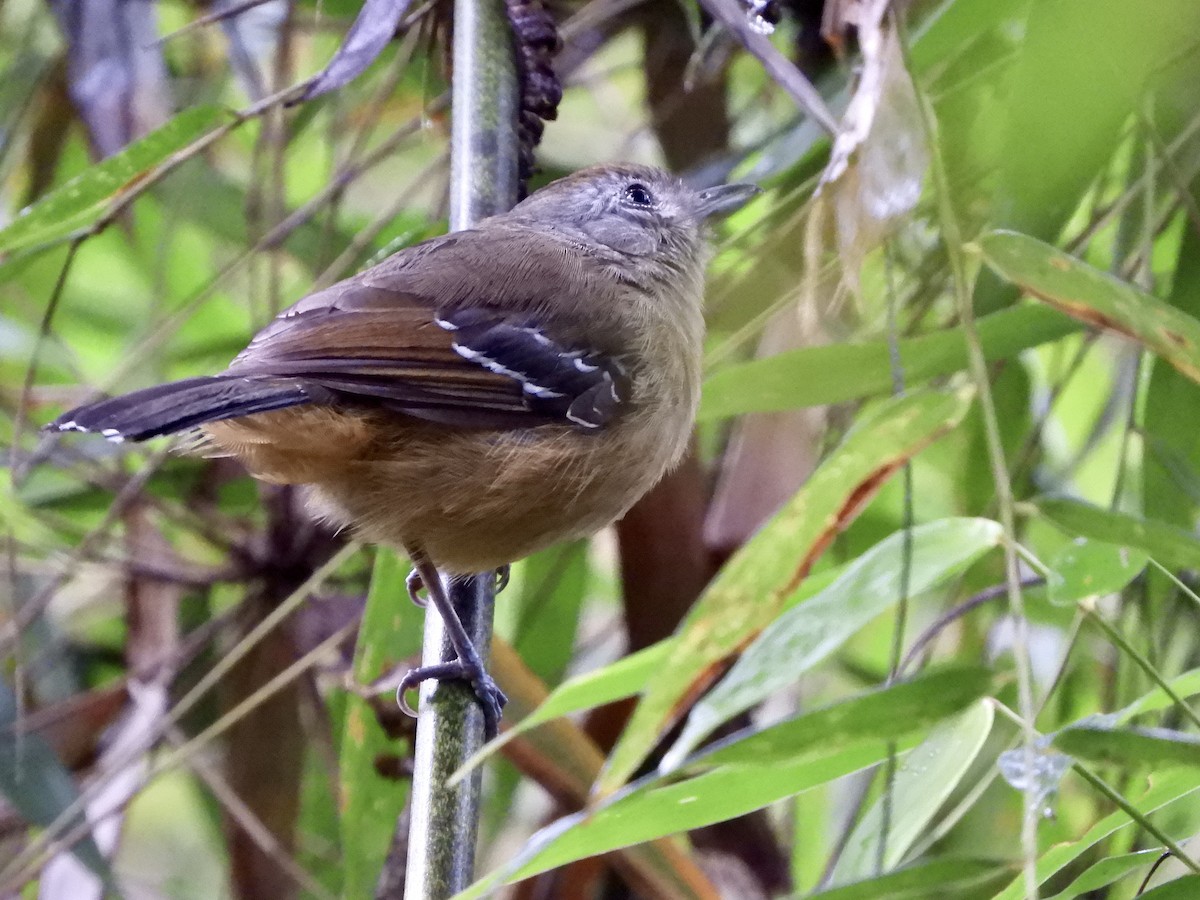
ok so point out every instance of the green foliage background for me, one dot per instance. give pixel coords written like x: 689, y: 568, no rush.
x: 1053, y: 158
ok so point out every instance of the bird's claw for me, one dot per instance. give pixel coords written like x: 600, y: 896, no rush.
x: 488, y: 695
x: 415, y: 585
x: 502, y: 575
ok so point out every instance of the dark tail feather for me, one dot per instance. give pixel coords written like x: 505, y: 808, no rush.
x: 173, y: 407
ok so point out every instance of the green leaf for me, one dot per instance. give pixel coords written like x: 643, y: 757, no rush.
x: 747, y: 773
x: 923, y: 880
x: 1185, y: 685
x: 319, y: 820
x: 553, y: 585
x: 1185, y: 888
x: 1086, y: 568
x: 1171, y: 459
x: 1075, y: 101
x: 1165, y: 790
x: 810, y: 632
x: 1065, y: 108
x: 1130, y: 747
x: 753, y: 586
x: 39, y: 786
x: 924, y: 780
x: 881, y: 713
x: 621, y: 679
x: 616, y: 681
x: 714, y: 796
x: 370, y: 803
x: 835, y: 373
x: 1095, y: 297
x: 1174, y: 547
x: 1107, y: 871
x: 76, y: 205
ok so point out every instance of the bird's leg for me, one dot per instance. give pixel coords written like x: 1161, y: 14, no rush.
x: 468, y: 667
x: 416, y: 584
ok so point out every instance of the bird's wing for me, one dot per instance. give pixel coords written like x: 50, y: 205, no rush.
x: 380, y: 338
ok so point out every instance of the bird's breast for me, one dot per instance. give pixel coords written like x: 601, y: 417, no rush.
x: 477, y: 500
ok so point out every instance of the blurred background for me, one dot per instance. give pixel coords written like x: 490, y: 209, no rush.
x: 188, y: 656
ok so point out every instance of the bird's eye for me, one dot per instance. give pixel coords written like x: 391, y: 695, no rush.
x: 639, y: 194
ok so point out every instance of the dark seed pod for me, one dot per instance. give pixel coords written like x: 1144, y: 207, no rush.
x: 536, y: 40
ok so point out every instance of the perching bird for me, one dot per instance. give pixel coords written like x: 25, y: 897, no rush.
x: 479, y: 396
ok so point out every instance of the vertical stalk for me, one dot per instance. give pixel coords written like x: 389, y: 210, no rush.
x: 483, y: 135
x: 964, y: 301
x: 483, y: 181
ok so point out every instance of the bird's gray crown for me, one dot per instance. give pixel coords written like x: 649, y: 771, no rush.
x: 635, y: 210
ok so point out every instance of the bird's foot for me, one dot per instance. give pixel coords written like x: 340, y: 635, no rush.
x: 502, y: 575
x: 487, y: 693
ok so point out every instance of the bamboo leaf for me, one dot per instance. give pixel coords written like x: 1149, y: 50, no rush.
x: 1174, y: 547
x: 1165, y: 790
x: 835, y: 373
x: 76, y: 205
x: 1184, y: 685
x: 1095, y: 297
x: 1107, y: 871
x: 1130, y: 747
x: 921, y: 880
x: 881, y: 713
x: 714, y: 796
x: 752, y: 588
x: 1087, y: 568
x: 813, y: 630
x: 748, y: 772
x: 924, y: 780
x: 370, y: 802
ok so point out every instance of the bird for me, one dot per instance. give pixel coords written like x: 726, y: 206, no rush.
x: 476, y: 397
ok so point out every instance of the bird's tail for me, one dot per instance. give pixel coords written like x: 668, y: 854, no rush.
x: 168, y: 408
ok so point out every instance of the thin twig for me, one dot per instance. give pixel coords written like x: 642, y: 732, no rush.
x: 189, y: 700
x: 1134, y: 813
x: 32, y: 608
x: 26, y: 863
x: 897, y: 648
x: 228, y: 12
x: 779, y: 67
x: 16, y: 469
x: 246, y: 819
x: 1163, y: 857
x: 952, y: 615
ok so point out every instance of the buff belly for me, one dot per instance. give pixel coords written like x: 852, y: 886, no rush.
x: 471, y: 500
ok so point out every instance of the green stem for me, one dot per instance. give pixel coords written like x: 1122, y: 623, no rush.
x: 1135, y: 814
x: 952, y: 236
x: 1143, y: 663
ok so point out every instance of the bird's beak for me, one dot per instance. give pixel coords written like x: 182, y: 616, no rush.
x: 725, y: 198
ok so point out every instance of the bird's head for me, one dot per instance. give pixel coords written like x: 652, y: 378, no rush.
x: 639, y: 212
